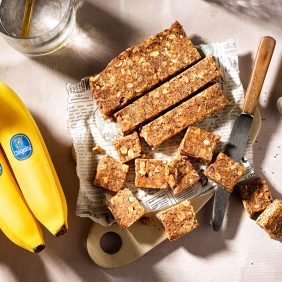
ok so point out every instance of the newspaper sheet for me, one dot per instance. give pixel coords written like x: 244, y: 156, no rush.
x: 88, y: 128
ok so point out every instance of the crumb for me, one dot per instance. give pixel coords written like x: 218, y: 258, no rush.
x: 98, y: 150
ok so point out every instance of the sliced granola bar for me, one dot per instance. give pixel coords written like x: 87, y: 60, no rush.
x: 178, y: 220
x: 141, y: 67
x: 255, y: 196
x: 168, y: 94
x: 225, y: 171
x: 128, y: 147
x: 194, y: 110
x: 198, y: 144
x: 125, y: 208
x: 150, y: 173
x: 271, y: 219
x: 181, y: 174
x: 110, y: 174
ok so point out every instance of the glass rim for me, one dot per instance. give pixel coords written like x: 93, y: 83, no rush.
x: 68, y: 11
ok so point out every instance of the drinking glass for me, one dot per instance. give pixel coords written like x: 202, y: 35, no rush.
x: 51, y: 24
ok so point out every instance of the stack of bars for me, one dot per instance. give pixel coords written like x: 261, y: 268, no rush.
x: 158, y: 88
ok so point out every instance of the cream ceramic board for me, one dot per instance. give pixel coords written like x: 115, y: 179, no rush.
x: 140, y: 238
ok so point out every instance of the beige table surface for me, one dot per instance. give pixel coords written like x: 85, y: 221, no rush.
x: 243, y: 252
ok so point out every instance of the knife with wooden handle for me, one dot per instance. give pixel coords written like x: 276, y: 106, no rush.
x: 236, y: 145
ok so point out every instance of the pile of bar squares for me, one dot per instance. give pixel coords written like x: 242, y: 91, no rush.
x: 155, y: 90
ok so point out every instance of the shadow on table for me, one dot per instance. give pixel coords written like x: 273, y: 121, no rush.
x: 22, y: 264
x: 263, y: 12
x: 269, y: 129
x: 197, y: 40
x: 245, y: 67
x: 96, y: 29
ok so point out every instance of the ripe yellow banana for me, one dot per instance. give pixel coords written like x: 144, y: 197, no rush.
x: 31, y: 163
x: 16, y: 220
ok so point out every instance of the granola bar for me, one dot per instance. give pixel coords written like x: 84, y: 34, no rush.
x: 255, y: 195
x: 110, y: 174
x: 150, y: 173
x: 178, y: 220
x: 194, y: 110
x: 225, y: 171
x: 198, y: 144
x: 170, y: 93
x: 271, y: 219
x: 181, y: 174
x: 125, y: 208
x: 141, y: 67
x: 128, y: 147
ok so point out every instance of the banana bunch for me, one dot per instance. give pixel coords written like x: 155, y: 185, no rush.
x: 30, y: 189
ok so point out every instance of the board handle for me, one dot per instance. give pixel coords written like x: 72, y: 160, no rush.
x: 262, y: 61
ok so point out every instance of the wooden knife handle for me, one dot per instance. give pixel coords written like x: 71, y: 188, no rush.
x: 262, y: 61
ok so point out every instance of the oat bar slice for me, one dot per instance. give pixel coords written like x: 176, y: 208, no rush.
x: 181, y: 174
x: 225, y: 171
x: 150, y: 173
x: 110, y: 174
x: 198, y: 144
x: 271, y: 219
x: 194, y: 110
x: 128, y: 147
x: 170, y: 93
x: 125, y: 208
x: 178, y: 220
x: 141, y: 67
x: 255, y: 196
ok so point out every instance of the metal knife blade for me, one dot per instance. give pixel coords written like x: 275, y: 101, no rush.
x: 235, y: 149
x: 221, y: 198
x: 240, y: 132
x: 238, y: 139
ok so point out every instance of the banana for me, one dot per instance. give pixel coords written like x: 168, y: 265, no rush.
x: 16, y: 220
x: 31, y: 163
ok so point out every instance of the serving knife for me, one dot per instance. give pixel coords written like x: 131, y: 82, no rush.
x: 236, y: 145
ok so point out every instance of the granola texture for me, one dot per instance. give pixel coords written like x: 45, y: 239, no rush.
x: 141, y: 67
x: 255, y: 196
x: 194, y: 110
x: 271, y: 219
x: 225, y: 171
x: 150, y: 173
x: 198, y: 144
x: 125, y: 208
x: 181, y: 174
x: 168, y: 94
x: 110, y: 174
x: 128, y: 147
x: 178, y: 220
